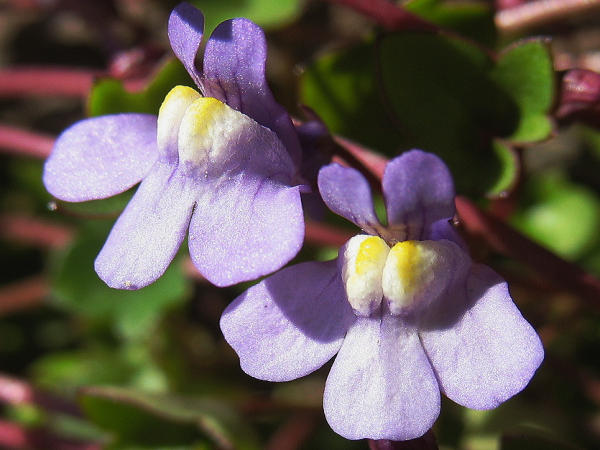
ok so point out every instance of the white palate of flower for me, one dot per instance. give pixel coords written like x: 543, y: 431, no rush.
x: 416, y: 273
x: 363, y: 259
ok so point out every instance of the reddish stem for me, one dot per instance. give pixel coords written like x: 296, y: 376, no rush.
x: 17, y: 392
x: 388, y: 15
x: 506, y: 240
x: 23, y: 142
x: 541, y: 12
x: 293, y: 433
x: 21, y: 295
x: 322, y: 234
x: 32, y: 231
x: 47, y: 81
x: 425, y: 442
x: 15, y: 436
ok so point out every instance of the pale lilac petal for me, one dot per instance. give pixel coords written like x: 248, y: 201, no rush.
x: 234, y: 72
x: 186, y: 25
x: 381, y: 385
x: 290, y: 324
x: 101, y: 157
x: 149, y: 232
x: 418, y: 191
x: 346, y: 192
x: 482, y: 349
x: 245, y: 227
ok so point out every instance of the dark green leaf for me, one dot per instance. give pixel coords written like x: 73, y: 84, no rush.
x: 77, y: 288
x: 142, y: 417
x: 470, y: 19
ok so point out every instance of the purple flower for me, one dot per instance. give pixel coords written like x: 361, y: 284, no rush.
x: 221, y: 164
x: 404, y: 307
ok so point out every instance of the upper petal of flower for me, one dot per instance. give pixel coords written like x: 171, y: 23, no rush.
x: 248, y: 221
x: 186, y: 25
x: 150, y: 230
x: 234, y: 72
x: 290, y: 324
x: 482, y: 349
x: 347, y: 193
x: 381, y: 385
x: 100, y: 157
x: 419, y: 191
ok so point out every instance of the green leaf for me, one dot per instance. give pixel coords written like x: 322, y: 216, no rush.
x: 266, y: 13
x: 471, y: 19
x: 141, y: 417
x: 560, y: 215
x: 77, y: 288
x: 108, y: 96
x: 443, y: 100
x: 510, y: 166
x: 441, y: 94
x: 341, y: 88
x: 67, y: 371
x: 526, y: 74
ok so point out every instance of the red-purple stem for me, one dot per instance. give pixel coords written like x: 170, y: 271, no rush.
x: 509, y: 242
x: 387, y: 14
x: 541, y: 12
x: 14, y: 436
x: 49, y: 81
x: 23, y: 142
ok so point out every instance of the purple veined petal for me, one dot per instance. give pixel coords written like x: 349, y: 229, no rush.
x: 482, y: 349
x: 101, y: 157
x: 186, y: 25
x: 147, y: 235
x: 245, y: 227
x: 443, y: 229
x: 419, y: 191
x: 381, y: 385
x: 248, y: 220
x: 234, y: 72
x: 347, y: 193
x: 290, y: 324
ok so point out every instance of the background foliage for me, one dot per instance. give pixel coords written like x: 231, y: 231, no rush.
x: 83, y: 366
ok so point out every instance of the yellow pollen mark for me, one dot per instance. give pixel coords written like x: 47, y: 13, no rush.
x: 204, y: 112
x: 369, y: 252
x: 408, y: 263
x: 179, y: 94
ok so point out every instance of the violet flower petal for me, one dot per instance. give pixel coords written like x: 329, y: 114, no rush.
x: 149, y: 232
x: 101, y: 157
x: 443, y: 229
x: 245, y: 227
x: 186, y: 25
x: 234, y: 72
x: 418, y: 191
x: 347, y: 193
x: 290, y: 324
x: 381, y: 385
x: 482, y: 349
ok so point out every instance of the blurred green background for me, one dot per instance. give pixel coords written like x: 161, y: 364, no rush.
x: 85, y: 366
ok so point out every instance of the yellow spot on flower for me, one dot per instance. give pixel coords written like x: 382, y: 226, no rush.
x: 408, y: 263
x: 369, y: 254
